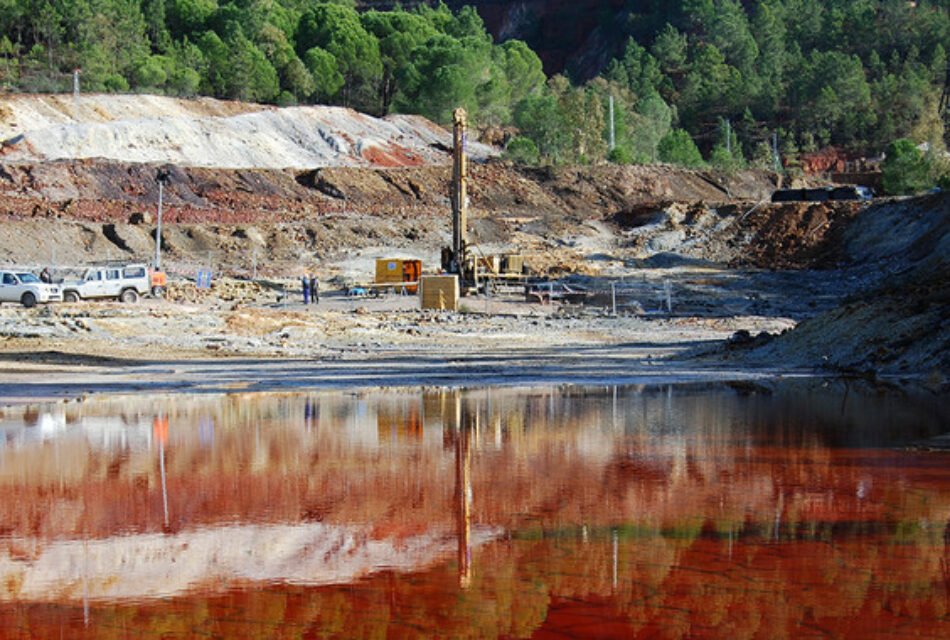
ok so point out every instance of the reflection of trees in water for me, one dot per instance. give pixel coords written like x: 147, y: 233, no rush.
x: 789, y: 413
x: 670, y: 584
x: 729, y: 512
x: 542, y: 457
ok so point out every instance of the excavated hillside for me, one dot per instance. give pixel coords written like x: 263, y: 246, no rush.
x: 286, y: 189
x: 899, y: 319
x: 280, y: 192
x: 289, y: 187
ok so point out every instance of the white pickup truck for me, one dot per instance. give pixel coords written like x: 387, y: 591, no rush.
x: 123, y: 282
x: 26, y: 288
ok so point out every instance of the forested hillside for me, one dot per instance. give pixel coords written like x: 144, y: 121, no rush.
x: 692, y: 81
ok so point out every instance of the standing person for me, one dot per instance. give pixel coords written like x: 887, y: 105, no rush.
x: 305, y: 286
x: 314, y: 289
x: 45, y: 275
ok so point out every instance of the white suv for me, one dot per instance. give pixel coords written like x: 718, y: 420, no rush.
x: 26, y: 288
x: 122, y: 282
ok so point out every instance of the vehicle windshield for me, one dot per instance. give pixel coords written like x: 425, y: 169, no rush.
x: 27, y: 277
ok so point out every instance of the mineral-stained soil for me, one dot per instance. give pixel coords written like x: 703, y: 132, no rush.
x: 105, y: 209
x: 898, y: 317
x: 697, y: 248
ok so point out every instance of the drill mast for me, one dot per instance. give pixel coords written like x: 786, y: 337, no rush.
x: 459, y: 198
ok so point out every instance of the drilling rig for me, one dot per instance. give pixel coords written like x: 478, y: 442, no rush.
x: 474, y: 272
x: 456, y: 259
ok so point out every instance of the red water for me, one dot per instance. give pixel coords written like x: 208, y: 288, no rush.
x: 681, y: 512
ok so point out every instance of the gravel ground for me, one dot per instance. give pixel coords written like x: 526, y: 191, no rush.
x: 337, y: 328
x: 260, y: 342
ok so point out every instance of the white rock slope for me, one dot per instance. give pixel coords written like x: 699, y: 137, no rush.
x: 214, y: 133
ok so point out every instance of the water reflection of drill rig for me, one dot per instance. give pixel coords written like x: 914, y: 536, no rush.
x: 460, y: 423
x: 456, y: 415
x: 467, y: 420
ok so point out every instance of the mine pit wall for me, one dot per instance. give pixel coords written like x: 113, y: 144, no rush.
x: 104, y: 210
x: 799, y: 235
x: 896, y: 320
x: 63, y: 189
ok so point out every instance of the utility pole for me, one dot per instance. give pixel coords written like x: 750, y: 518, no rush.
x: 76, y: 73
x: 158, y: 231
x: 611, y: 103
x: 944, y: 106
x: 775, y: 158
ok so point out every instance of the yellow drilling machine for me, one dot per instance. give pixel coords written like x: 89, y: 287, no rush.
x: 476, y: 272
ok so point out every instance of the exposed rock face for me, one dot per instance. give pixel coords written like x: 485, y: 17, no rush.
x: 898, y: 319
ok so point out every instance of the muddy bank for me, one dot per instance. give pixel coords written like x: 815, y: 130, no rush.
x: 896, y: 319
x: 29, y: 381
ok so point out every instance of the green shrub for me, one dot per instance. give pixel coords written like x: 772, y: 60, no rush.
x: 677, y: 147
x: 150, y: 74
x: 620, y: 155
x: 522, y: 150
x: 905, y: 170
x: 115, y: 83
x: 183, y: 82
x: 286, y: 99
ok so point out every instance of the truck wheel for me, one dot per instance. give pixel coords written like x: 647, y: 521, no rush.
x: 28, y: 300
x: 158, y: 291
x: 70, y: 296
x: 129, y: 296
